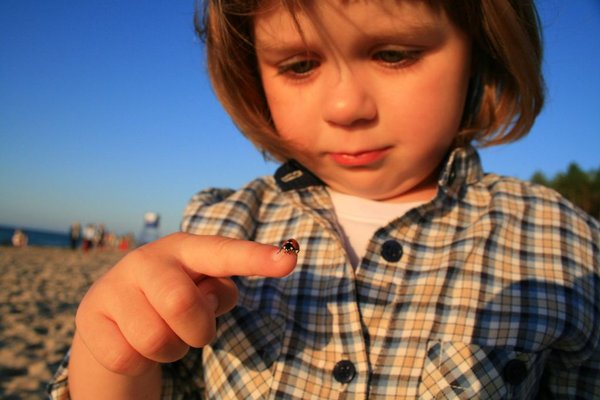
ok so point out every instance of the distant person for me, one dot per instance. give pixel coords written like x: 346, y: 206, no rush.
x: 19, y: 238
x: 124, y: 243
x: 413, y: 274
x: 110, y: 240
x: 101, y: 236
x: 89, y: 237
x: 74, y: 234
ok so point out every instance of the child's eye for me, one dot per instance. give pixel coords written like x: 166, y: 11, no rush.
x: 298, y: 68
x: 397, y: 58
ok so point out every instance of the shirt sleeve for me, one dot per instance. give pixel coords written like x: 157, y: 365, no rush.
x: 573, y: 372
x: 58, y: 387
x: 180, y: 380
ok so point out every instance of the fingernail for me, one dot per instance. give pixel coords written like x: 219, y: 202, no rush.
x: 212, y: 301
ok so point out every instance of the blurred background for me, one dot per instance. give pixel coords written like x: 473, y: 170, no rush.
x: 106, y: 113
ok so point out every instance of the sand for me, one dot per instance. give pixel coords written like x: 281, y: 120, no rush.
x: 40, y: 288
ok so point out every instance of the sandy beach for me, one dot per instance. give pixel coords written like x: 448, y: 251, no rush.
x: 40, y: 288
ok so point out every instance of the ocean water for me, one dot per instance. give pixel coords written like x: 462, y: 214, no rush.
x: 36, y: 237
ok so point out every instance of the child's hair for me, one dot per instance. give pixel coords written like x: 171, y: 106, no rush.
x: 506, y: 91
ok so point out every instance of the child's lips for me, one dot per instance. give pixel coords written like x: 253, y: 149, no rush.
x: 359, y: 159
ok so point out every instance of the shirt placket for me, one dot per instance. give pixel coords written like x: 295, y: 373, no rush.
x: 345, y: 369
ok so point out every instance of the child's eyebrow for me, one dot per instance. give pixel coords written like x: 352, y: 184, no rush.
x: 280, y: 45
x: 417, y: 33
x: 423, y: 33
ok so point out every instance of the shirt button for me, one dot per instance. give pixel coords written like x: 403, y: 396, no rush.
x: 391, y: 251
x: 515, y: 371
x: 344, y: 371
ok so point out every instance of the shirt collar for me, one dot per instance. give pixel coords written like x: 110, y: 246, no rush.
x: 462, y: 166
x: 293, y: 176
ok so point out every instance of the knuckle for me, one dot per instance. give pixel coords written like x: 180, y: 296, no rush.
x: 139, y: 256
x: 233, y: 251
x: 152, y: 342
x: 223, y: 244
x: 122, y: 362
x: 161, y: 345
x: 180, y: 240
x: 179, y: 301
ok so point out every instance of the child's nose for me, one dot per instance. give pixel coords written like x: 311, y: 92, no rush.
x: 347, y: 101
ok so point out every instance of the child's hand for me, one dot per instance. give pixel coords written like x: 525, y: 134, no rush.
x: 164, y: 297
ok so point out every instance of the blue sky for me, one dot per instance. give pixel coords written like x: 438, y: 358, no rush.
x: 106, y: 113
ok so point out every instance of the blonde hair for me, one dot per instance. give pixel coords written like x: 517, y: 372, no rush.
x: 506, y: 91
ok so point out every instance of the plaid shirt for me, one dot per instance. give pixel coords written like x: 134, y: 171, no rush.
x: 491, y: 291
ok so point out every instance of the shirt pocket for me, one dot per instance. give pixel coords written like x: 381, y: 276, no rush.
x: 454, y: 370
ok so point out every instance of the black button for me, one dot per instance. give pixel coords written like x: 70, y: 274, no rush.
x: 391, y: 251
x: 344, y: 371
x: 515, y: 371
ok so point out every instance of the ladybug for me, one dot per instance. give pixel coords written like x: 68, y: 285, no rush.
x: 290, y: 246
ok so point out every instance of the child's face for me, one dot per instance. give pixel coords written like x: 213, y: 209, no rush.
x: 372, y: 98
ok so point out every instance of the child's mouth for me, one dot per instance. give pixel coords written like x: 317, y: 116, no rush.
x: 359, y: 159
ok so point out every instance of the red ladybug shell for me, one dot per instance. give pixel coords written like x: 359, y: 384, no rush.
x: 290, y: 246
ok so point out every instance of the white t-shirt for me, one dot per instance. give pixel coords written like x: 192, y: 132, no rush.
x: 359, y: 218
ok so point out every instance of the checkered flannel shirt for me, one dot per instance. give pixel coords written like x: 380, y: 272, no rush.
x: 489, y: 291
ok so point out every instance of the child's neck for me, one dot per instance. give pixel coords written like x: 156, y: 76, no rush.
x: 359, y: 218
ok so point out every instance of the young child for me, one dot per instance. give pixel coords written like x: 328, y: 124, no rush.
x: 418, y: 275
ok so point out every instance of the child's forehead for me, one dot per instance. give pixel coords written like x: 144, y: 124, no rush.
x: 404, y: 11
x: 277, y: 23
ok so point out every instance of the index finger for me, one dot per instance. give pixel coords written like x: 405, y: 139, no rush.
x: 220, y: 257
